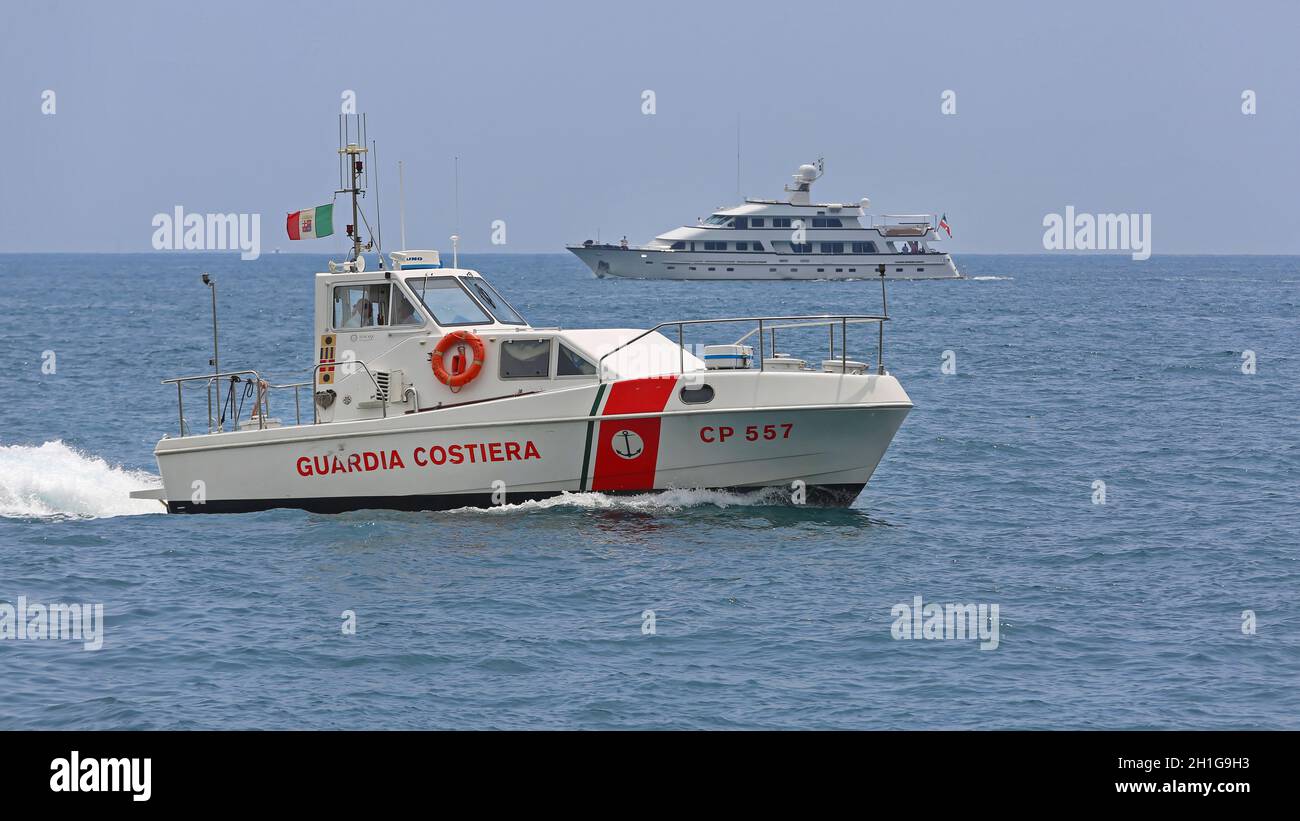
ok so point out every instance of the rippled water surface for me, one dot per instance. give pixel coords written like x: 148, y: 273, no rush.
x: 1069, y: 370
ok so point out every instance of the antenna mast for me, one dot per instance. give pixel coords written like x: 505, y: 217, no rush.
x: 352, y: 152
x: 401, y: 201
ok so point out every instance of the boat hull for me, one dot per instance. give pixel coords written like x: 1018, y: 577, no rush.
x: 642, y: 263
x: 817, y: 437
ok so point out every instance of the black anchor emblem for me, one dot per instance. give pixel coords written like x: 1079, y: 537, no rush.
x: 627, y: 451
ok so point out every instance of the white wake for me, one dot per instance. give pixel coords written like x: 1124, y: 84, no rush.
x: 667, y: 500
x: 56, y: 481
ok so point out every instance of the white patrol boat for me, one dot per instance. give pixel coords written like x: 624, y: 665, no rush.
x: 431, y: 392
x: 793, y: 238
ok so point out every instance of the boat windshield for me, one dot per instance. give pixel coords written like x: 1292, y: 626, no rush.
x: 448, y: 301
x: 491, y: 300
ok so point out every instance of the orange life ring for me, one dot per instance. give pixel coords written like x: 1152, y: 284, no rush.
x: 457, y: 380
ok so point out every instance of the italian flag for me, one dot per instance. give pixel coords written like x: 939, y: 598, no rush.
x: 311, y: 223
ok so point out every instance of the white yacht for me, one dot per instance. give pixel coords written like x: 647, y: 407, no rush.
x: 793, y: 238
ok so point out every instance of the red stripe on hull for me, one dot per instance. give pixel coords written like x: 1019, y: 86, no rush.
x: 627, y: 450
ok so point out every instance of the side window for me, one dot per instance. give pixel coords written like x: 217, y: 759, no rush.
x: 572, y: 363
x: 361, y: 306
x: 404, y: 312
x: 525, y: 358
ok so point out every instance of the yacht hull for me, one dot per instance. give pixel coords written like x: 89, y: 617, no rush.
x: 643, y: 263
x: 817, y: 437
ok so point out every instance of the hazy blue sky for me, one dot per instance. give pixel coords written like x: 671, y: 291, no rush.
x: 232, y: 107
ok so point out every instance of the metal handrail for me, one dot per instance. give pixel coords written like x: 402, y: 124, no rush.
x: 814, y: 324
x: 680, y: 324
x: 262, y: 402
x: 297, y: 406
x: 210, y: 378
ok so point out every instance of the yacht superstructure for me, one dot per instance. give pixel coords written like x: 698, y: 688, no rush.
x: 793, y: 238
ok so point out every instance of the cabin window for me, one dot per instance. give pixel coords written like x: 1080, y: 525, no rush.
x: 864, y: 248
x: 449, y: 303
x: 361, y: 306
x: 780, y: 222
x: 757, y: 246
x: 741, y: 222
x: 490, y: 299
x: 756, y: 222
x: 404, y: 313
x: 832, y: 247
x: 696, y: 395
x: 801, y: 247
x: 825, y: 222
x: 525, y: 358
x: 742, y: 246
x: 679, y: 246
x: 718, y: 219
x: 572, y: 363
x: 715, y: 246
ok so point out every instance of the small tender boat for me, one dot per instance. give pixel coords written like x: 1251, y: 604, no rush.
x: 431, y: 392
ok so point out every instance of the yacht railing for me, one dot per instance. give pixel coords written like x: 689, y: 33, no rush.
x: 905, y: 219
x: 764, y: 328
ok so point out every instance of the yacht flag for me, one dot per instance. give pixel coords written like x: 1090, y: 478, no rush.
x: 943, y: 223
x: 311, y: 223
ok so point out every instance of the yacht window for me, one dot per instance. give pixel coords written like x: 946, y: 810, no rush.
x: 825, y: 222
x: 756, y: 222
x: 572, y: 363
x: 741, y: 222
x: 361, y: 306
x: 490, y: 299
x: 449, y: 303
x: 801, y: 247
x: 525, y: 358
x: 718, y: 219
x: 757, y: 246
x: 715, y: 246
x: 742, y: 246
x: 832, y: 247
x: 780, y: 222
x: 679, y: 246
x: 864, y: 248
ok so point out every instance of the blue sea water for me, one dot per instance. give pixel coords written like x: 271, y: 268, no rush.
x: 1069, y: 370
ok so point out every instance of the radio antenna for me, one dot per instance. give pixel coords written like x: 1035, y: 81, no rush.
x: 379, y: 223
x: 737, y: 155
x: 401, y: 202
